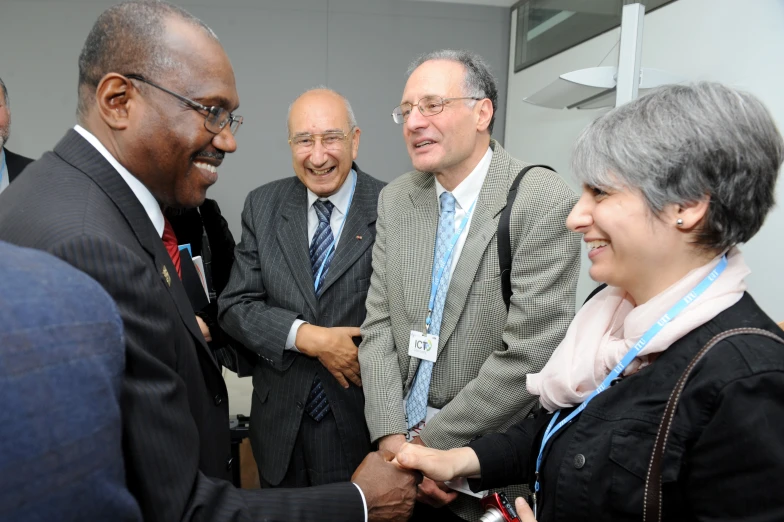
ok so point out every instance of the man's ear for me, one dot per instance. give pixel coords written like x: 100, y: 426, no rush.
x: 355, y: 142
x: 485, y: 114
x: 115, y: 98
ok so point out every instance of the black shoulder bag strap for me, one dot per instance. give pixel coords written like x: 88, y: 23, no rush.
x: 652, y: 502
x: 504, y: 238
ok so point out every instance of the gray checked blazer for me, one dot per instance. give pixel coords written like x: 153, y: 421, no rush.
x: 271, y: 285
x: 477, y: 381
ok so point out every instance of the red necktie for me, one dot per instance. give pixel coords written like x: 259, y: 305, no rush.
x: 170, y: 242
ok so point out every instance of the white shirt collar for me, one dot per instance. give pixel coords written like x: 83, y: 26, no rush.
x: 144, y: 196
x: 468, y: 189
x: 340, y: 198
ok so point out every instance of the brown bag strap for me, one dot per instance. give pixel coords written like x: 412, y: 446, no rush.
x: 652, y: 501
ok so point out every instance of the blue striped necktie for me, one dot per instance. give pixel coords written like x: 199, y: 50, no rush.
x: 416, y: 405
x: 317, y: 404
x: 321, y: 241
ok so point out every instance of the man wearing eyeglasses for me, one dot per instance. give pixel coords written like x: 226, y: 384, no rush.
x: 442, y: 361
x: 156, y: 101
x: 296, y: 296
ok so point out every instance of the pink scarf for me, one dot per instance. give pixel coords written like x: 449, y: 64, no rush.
x: 608, y: 325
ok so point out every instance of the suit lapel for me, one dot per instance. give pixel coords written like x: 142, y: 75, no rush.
x: 75, y: 150
x: 356, y: 236
x: 293, y: 241
x: 484, y: 224
x: 420, y: 225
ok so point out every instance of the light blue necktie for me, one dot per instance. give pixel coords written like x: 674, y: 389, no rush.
x: 416, y: 405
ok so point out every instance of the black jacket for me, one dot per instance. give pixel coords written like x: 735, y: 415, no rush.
x: 206, y: 230
x: 725, y: 456
x: 16, y: 164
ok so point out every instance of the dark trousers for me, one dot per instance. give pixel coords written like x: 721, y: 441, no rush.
x: 317, y: 457
x: 426, y: 513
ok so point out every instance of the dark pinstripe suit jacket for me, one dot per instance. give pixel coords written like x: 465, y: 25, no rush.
x: 73, y: 204
x: 271, y: 285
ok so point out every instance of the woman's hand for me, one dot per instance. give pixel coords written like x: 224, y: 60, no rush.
x: 524, y: 511
x: 436, y: 464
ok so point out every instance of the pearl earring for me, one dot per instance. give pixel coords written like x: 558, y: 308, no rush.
x: 679, y: 222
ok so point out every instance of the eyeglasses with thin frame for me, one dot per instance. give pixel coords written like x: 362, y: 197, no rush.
x: 216, y: 118
x: 332, y: 140
x: 428, y: 106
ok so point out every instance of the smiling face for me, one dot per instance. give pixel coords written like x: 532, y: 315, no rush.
x: 322, y: 169
x: 628, y: 246
x: 168, y: 147
x: 452, y: 142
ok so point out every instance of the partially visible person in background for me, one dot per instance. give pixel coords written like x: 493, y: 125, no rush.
x: 207, y: 235
x: 672, y: 183
x: 62, y: 355
x: 11, y: 165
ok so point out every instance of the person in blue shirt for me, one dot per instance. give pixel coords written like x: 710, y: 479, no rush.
x: 62, y: 356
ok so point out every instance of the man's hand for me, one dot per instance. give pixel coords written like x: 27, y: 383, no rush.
x: 205, y: 331
x: 391, y: 442
x: 524, y: 511
x: 389, y: 490
x: 334, y: 348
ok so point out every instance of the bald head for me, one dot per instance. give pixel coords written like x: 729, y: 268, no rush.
x: 324, y: 140
x: 322, y: 95
x: 131, y: 38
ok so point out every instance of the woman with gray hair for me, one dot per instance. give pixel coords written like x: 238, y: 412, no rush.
x: 672, y: 183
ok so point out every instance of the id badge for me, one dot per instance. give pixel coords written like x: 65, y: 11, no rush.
x: 423, y: 346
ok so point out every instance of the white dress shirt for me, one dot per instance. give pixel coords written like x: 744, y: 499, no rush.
x: 141, y: 192
x: 341, y: 200
x: 465, y: 194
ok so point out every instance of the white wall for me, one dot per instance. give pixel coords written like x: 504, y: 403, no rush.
x: 737, y: 42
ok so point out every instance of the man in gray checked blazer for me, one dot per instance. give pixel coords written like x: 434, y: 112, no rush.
x: 297, y: 300
x: 484, y: 353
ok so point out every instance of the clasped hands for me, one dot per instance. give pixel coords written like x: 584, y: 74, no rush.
x: 334, y: 348
x: 439, y: 465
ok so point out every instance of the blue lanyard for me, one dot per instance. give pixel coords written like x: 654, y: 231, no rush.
x: 553, y: 428
x: 335, y: 238
x: 437, y: 277
x: 2, y: 166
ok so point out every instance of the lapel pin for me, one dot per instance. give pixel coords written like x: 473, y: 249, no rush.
x: 359, y: 237
x: 166, y: 276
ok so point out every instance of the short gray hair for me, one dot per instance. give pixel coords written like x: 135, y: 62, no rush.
x: 683, y: 142
x: 352, y: 120
x: 479, y: 82
x: 128, y: 38
x: 5, y: 92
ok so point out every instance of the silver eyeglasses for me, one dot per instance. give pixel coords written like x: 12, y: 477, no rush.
x: 332, y: 140
x: 428, y: 106
x: 216, y: 118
